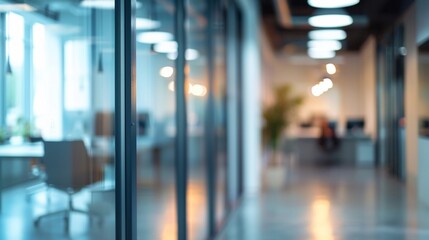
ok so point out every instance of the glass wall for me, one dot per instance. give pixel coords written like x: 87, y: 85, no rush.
x: 63, y: 83
x: 56, y: 133
x: 197, y: 82
x: 155, y: 111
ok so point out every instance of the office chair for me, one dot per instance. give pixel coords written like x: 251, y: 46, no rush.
x: 67, y: 166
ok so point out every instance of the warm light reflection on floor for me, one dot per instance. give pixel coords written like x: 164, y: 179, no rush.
x: 169, y: 224
x: 321, y: 222
x: 196, y: 213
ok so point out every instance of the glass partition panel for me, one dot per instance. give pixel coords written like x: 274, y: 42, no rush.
x: 57, y: 132
x: 156, y: 126
x: 220, y: 98
x: 197, y: 81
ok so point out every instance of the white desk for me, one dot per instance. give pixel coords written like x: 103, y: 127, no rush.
x: 21, y: 151
x: 25, y: 150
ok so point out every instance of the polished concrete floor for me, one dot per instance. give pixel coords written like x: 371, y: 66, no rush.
x: 329, y: 203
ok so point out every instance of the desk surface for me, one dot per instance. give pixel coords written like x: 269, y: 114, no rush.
x: 25, y: 150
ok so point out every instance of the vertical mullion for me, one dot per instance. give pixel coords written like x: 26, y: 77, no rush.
x: 125, y: 113
x: 2, y: 69
x: 181, y: 120
x: 210, y: 135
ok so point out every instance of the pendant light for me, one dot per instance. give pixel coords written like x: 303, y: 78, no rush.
x: 8, y: 67
x: 100, y: 68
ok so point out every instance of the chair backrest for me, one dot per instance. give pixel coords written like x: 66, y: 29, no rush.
x: 67, y: 164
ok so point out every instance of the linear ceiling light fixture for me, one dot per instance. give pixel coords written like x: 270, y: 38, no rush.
x: 317, y: 53
x: 154, y: 37
x: 332, y: 3
x: 330, y: 18
x: 146, y: 24
x: 327, y: 34
x: 325, y: 44
x: 166, y: 47
x: 102, y: 4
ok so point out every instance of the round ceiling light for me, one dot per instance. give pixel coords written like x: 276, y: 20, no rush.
x: 328, y: 34
x: 325, y: 44
x: 332, y: 3
x: 328, y: 83
x: 330, y: 68
x: 330, y: 20
x: 317, y: 53
x: 154, y: 37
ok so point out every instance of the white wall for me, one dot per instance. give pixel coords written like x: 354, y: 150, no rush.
x: 369, y: 73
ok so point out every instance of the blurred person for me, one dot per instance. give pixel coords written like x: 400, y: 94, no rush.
x: 328, y: 139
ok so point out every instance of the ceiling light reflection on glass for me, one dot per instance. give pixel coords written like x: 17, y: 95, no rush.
x: 325, y: 44
x: 330, y: 68
x: 327, y: 34
x: 317, y: 53
x: 191, y: 54
x: 166, y: 47
x: 146, y: 24
x: 330, y: 20
x: 102, y: 4
x: 166, y: 72
x: 332, y: 3
x: 154, y: 37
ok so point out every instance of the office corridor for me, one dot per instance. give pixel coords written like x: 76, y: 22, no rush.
x: 329, y: 203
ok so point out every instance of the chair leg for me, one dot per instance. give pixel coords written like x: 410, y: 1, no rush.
x: 67, y: 222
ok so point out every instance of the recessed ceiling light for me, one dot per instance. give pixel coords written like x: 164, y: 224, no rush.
x: 330, y: 20
x: 317, y: 53
x: 332, y: 3
x: 330, y: 68
x: 166, y: 47
x: 146, y: 24
x: 154, y: 37
x: 328, y: 83
x: 16, y: 7
x: 316, y: 90
x: 328, y: 34
x: 325, y: 44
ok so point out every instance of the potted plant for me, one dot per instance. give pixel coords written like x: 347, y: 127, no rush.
x: 278, y: 115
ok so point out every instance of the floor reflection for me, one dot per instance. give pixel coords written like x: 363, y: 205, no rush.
x: 329, y: 203
x: 321, y: 225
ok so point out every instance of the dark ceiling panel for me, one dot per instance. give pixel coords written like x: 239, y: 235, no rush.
x: 371, y: 17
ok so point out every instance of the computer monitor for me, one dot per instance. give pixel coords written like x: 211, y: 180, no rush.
x: 355, y: 125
